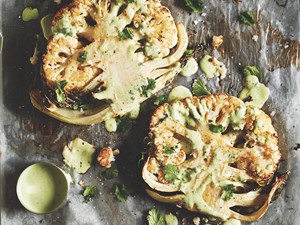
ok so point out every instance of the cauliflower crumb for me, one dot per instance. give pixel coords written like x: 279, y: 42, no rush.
x: 217, y: 41
x: 34, y: 59
x: 196, y: 220
x: 81, y: 183
x: 255, y: 38
x: 106, y: 156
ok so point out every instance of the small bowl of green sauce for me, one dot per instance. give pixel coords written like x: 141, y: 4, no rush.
x: 43, y: 188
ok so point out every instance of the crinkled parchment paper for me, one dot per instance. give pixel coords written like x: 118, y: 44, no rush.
x: 27, y: 136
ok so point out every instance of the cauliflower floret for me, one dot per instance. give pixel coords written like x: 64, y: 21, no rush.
x: 229, y: 150
x: 106, y: 156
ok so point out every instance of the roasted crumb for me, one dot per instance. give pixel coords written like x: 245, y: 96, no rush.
x: 106, y: 156
x: 217, y: 41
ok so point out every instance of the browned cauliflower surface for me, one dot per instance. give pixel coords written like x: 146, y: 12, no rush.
x: 211, y: 154
x: 110, y: 50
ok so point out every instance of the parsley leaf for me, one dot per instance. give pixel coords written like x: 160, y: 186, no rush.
x: 217, y: 128
x: 145, y: 90
x: 199, y: 88
x: 60, y: 93
x: 195, y: 5
x: 110, y: 173
x: 159, y: 100
x: 247, y: 18
x: 82, y: 58
x: 155, y: 218
x: 171, y: 172
x: 124, y: 123
x: 120, y: 192
x: 89, y: 193
x: 127, y: 33
x: 227, y: 192
x: 169, y: 150
x: 255, y: 71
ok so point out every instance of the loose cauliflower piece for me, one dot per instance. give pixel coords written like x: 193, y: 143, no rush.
x: 108, y: 51
x: 106, y: 156
x: 213, y: 155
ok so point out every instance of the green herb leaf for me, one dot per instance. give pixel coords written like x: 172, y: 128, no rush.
x: 160, y: 100
x: 227, y: 192
x: 155, y: 218
x: 199, y: 88
x: 90, y: 193
x: 127, y: 33
x: 124, y: 123
x: 169, y: 150
x: 120, y: 192
x: 195, y: 5
x: 247, y: 18
x: 188, y: 51
x: 171, y: 172
x: 82, y: 58
x: 60, y: 93
x: 255, y: 71
x: 145, y: 90
x: 217, y: 128
x: 110, y: 173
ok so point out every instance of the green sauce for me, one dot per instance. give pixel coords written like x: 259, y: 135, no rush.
x: 46, y: 23
x: 30, y: 13
x: 257, y: 92
x: 42, y: 188
x: 179, y: 92
x: 190, y: 67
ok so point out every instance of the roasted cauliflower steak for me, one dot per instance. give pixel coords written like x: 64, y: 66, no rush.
x: 213, y: 155
x: 107, y: 51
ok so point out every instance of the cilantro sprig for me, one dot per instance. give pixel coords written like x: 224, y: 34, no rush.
x: 171, y: 172
x: 120, y: 192
x: 82, y: 58
x: 194, y: 5
x: 199, y: 88
x: 255, y: 71
x: 127, y: 33
x: 89, y: 193
x: 60, y: 93
x: 227, y: 192
x: 155, y: 218
x: 146, y: 90
x: 247, y: 18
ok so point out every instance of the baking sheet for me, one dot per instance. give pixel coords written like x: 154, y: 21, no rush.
x: 28, y: 136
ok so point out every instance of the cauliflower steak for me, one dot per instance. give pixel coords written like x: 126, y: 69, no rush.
x: 213, y: 155
x: 105, y: 53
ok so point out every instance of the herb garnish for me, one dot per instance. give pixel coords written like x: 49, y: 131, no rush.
x: 195, y: 5
x: 199, y: 88
x: 60, y: 93
x: 171, y: 172
x: 255, y: 71
x: 145, y: 90
x: 110, y: 173
x: 217, y: 128
x: 159, y: 100
x: 170, y: 150
x: 227, y: 192
x: 120, y: 192
x: 82, y: 58
x: 155, y: 218
x: 127, y: 33
x: 90, y: 193
x: 247, y: 18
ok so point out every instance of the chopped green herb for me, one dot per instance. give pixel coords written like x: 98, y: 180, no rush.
x: 90, y: 193
x: 82, y: 58
x: 141, y: 159
x: 127, y: 33
x: 60, y: 93
x: 160, y: 100
x: 124, y: 123
x: 195, y: 5
x: 188, y: 51
x: 255, y: 71
x: 110, y: 173
x: 227, y: 192
x: 169, y: 150
x: 199, y: 88
x: 120, y: 192
x: 217, y: 128
x: 155, y: 218
x: 247, y: 18
x: 171, y: 172
x: 145, y: 90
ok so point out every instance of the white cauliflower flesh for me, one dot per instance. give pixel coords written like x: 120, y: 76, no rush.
x: 110, y: 51
x: 213, y: 155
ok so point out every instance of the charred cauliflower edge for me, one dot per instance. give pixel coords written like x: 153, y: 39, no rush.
x: 213, y: 155
x: 103, y: 53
